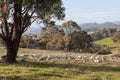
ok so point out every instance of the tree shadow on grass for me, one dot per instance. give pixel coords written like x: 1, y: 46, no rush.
x: 93, y: 68
x: 31, y: 77
x: 82, y: 67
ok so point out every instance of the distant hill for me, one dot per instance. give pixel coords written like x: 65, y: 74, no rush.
x: 91, y: 27
x: 117, y: 22
x: 33, y: 30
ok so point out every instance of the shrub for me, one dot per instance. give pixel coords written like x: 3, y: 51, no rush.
x: 100, y: 49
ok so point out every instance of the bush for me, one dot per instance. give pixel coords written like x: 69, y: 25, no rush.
x: 100, y: 49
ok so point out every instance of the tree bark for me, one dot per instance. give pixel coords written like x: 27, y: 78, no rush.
x: 12, y: 50
x: 12, y: 43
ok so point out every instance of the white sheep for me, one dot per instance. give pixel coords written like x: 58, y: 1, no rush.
x: 80, y: 56
x: 44, y: 57
x: 98, y: 59
x: 23, y: 57
x: 49, y: 57
x: 35, y: 56
x: 70, y: 58
x: 85, y: 59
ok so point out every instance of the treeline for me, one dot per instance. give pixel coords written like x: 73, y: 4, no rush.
x: 116, y: 37
x: 76, y: 41
x: 68, y: 37
x: 104, y: 33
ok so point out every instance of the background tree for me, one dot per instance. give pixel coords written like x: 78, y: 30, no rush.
x: 47, y: 35
x: 78, y: 41
x: 106, y: 32
x: 28, y: 41
x: 116, y: 37
x: 57, y: 42
x: 70, y: 26
x: 18, y: 15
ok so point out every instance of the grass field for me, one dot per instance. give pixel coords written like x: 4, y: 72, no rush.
x: 107, y: 41
x: 57, y: 70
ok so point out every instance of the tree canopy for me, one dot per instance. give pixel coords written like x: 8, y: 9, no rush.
x: 18, y: 15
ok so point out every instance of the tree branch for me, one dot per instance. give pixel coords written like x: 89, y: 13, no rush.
x: 11, y: 31
x: 27, y: 23
x: 6, y: 28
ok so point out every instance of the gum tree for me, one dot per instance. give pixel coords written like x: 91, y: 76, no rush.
x: 16, y: 16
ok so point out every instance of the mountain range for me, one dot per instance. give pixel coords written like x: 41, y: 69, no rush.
x: 33, y: 30
x: 117, y: 22
x: 89, y: 27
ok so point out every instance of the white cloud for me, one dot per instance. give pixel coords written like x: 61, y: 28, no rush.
x: 94, y: 16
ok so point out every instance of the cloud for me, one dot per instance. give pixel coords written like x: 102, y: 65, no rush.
x: 93, y: 16
x: 99, y: 15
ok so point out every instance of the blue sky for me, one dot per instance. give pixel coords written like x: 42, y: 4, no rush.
x: 84, y: 11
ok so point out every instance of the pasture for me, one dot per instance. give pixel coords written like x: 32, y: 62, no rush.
x: 31, y: 69
x: 107, y: 41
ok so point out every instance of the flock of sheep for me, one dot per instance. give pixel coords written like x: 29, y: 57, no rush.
x: 83, y: 58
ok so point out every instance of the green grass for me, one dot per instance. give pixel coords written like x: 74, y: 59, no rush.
x: 57, y: 70
x: 107, y: 41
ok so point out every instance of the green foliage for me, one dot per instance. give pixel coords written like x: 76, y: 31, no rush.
x: 54, y: 39
x: 78, y: 41
x: 21, y: 15
x: 27, y: 41
x: 100, y: 49
x: 104, y: 33
x: 46, y: 36
x: 57, y: 42
x: 70, y: 26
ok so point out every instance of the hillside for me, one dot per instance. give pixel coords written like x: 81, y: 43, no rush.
x: 107, y: 41
x: 91, y: 27
x: 117, y: 22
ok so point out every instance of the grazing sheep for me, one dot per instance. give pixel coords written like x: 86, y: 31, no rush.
x: 23, y: 57
x: 99, y: 59
x: 70, y: 58
x: 80, y: 56
x: 85, y: 59
x: 113, y: 57
x: 35, y: 56
x: 61, y: 57
x: 49, y: 57
x: 92, y: 57
x: 44, y: 57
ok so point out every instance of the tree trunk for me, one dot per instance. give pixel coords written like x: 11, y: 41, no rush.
x: 12, y: 44
x: 12, y: 50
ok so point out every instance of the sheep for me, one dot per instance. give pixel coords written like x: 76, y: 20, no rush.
x: 85, y: 59
x: 70, y: 58
x: 61, y: 57
x: 113, y: 57
x: 80, y: 56
x: 99, y: 59
x: 23, y: 57
x: 49, y: 57
x: 43, y: 57
x: 35, y: 56
x: 92, y: 57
